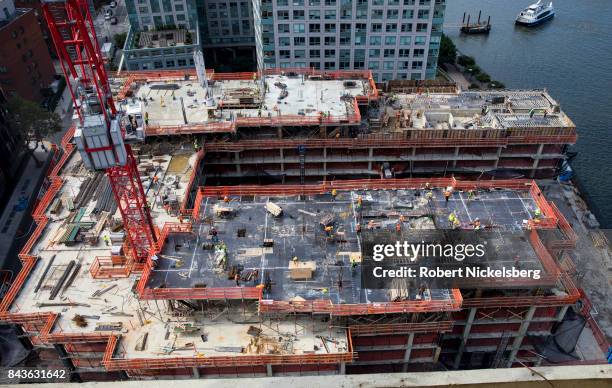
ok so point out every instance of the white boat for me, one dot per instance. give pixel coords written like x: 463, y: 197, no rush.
x: 535, y: 14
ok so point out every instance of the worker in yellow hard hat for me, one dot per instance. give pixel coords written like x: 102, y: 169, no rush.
x: 328, y: 230
x: 538, y: 213
x: 451, y: 219
x: 334, y: 192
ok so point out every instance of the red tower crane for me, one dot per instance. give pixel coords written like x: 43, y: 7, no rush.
x: 103, y: 135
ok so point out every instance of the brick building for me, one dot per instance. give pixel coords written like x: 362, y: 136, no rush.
x: 25, y: 63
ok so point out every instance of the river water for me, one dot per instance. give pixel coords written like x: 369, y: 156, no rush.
x: 571, y: 56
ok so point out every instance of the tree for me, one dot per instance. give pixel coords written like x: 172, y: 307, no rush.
x: 120, y: 39
x: 448, y: 51
x: 483, y: 77
x: 34, y: 123
x: 465, y: 60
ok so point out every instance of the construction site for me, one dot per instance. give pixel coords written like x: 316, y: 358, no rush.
x: 199, y: 224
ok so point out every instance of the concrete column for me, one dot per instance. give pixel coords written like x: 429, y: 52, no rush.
x: 279, y: 132
x: 407, y: 352
x: 370, y: 156
x: 561, y: 313
x: 455, y: 157
x: 536, y: 162
x: 342, y: 370
x: 499, y: 151
x: 324, y: 161
x: 237, y: 161
x: 518, y: 340
x: 464, y: 337
x: 282, y: 159
x: 196, y: 372
x: 323, y: 132
x: 269, y: 370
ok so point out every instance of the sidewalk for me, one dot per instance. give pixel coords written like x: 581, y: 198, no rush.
x: 457, y: 76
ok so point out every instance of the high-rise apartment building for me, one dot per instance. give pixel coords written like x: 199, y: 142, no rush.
x: 396, y: 39
x: 226, y: 32
x: 25, y: 63
x: 163, y: 34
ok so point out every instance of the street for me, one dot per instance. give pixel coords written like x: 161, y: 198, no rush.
x: 104, y: 29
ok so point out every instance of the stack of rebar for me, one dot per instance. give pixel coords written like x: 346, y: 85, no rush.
x: 105, y: 199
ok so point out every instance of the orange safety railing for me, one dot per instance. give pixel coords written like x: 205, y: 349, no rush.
x: 400, y: 328
x: 599, y: 335
x: 326, y: 306
x: 194, y: 172
x: 104, y: 267
x: 571, y: 297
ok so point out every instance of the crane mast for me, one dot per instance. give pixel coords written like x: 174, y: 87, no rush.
x: 103, y: 135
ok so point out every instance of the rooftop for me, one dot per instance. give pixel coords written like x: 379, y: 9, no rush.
x: 165, y: 38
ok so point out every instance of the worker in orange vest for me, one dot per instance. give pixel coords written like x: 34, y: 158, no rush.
x: 398, y: 227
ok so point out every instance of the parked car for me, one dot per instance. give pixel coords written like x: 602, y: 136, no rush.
x: 113, y: 4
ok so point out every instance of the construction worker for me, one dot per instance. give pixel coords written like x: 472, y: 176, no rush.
x: 447, y: 195
x: 401, y: 218
x: 538, y: 213
x: 427, y: 186
x: 180, y: 218
x: 451, y: 219
x: 429, y: 195
x: 328, y: 230
x: 226, y: 199
x: 470, y: 195
x: 476, y: 224
x: 359, y: 201
x: 146, y: 118
x: 371, y: 224
x: 358, y: 228
x: 155, y: 179
x: 237, y: 280
x: 398, y: 227
x: 456, y: 224
x: 334, y: 192
x: 106, y: 239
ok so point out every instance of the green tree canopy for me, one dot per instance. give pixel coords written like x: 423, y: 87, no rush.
x: 34, y: 122
x: 448, y: 51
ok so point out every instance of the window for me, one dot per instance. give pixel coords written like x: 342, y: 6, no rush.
x: 375, y: 40
x: 158, y: 64
x: 345, y: 39
x: 330, y: 65
x: 330, y: 40
x: 299, y: 41
x: 391, y: 27
x: 330, y: 2
x: 374, y: 53
x: 330, y: 14
x: 314, y: 14
x: 314, y: 2
x: 315, y: 53
x: 345, y: 27
x: 330, y: 28
x: 182, y: 62
x: 377, y: 14
x: 282, y: 3
x: 423, y: 14
x: 298, y: 14
x: 282, y: 15
x: 299, y: 53
x: 403, y: 65
x: 314, y: 28
x: 407, y: 14
x: 330, y: 53
x: 419, y: 40
x: 283, y: 28
x: 314, y: 40
x: 299, y: 28
x: 284, y: 54
x: 405, y: 40
x: 376, y: 27
x: 316, y: 65
x: 390, y: 40
x: 419, y: 53
x: 404, y: 53
x: 389, y: 53
x: 284, y: 41
x: 417, y: 65
x: 388, y: 65
x: 392, y: 13
x: 406, y: 27
x: 170, y: 63
x: 373, y: 65
x: 421, y: 27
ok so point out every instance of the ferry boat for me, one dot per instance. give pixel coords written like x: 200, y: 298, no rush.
x: 536, y: 14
